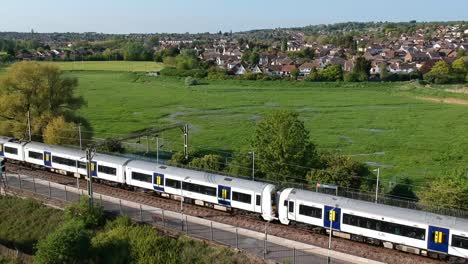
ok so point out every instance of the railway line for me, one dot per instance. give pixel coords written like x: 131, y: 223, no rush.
x: 239, y: 219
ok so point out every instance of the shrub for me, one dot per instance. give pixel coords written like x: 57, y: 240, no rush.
x: 70, y: 243
x: 190, y: 81
x: 90, y: 216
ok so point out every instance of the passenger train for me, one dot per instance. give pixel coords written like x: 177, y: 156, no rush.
x: 393, y: 227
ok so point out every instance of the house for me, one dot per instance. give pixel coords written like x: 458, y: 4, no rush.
x: 306, y: 68
x: 273, y: 70
x: 287, y: 69
x: 418, y: 57
x: 238, y: 69
x: 256, y: 69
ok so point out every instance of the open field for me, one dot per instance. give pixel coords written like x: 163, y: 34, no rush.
x: 380, y: 123
x: 132, y: 66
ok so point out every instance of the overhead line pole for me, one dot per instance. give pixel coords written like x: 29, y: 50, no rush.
x: 29, y: 125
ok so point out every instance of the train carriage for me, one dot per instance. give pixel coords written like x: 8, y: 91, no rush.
x: 411, y: 230
x: 12, y: 149
x: 210, y: 189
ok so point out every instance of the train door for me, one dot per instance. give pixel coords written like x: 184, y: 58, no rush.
x: 224, y: 195
x: 291, y: 210
x: 332, y: 215
x: 94, y: 168
x: 47, y: 159
x: 158, y: 182
x: 258, y: 203
x: 1, y: 150
x: 438, y: 239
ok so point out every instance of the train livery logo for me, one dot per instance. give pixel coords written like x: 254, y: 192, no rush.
x: 224, y: 195
x: 1, y: 149
x: 158, y: 182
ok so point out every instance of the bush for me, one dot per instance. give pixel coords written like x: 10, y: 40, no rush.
x: 190, y: 81
x: 351, y: 77
x: 70, y: 243
x: 90, y: 216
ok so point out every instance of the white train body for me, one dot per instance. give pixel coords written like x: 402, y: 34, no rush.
x: 399, y: 226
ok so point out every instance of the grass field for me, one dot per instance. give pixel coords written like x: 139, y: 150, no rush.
x: 132, y: 66
x: 382, y: 123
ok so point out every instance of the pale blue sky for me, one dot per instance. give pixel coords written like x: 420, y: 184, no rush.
x: 146, y: 16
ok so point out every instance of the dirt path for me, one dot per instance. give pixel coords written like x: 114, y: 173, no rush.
x: 448, y: 100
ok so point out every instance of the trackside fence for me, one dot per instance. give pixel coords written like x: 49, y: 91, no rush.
x: 175, y: 221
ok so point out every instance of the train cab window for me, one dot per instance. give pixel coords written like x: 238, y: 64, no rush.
x: 107, y: 170
x: 142, y: 177
x: 11, y: 150
x: 258, y: 200
x: 172, y: 183
x: 35, y: 155
x: 310, y: 211
x: 242, y: 197
x: 291, y: 207
x: 285, y: 203
x: 459, y: 241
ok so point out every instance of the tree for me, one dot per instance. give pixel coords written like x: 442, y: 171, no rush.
x: 384, y: 74
x: 332, y: 73
x: 69, y: 243
x: 403, y: 190
x: 209, y: 162
x: 342, y: 171
x: 459, y: 66
x: 241, y: 165
x: 284, y: 44
x: 40, y: 89
x: 187, y: 60
x: 282, y: 146
x: 60, y: 132
x: 460, y: 53
x: 295, y: 73
x: 362, y: 68
x: 450, y: 191
x: 439, y: 73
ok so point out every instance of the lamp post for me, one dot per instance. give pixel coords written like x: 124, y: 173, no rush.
x: 377, y: 185
x: 253, y: 164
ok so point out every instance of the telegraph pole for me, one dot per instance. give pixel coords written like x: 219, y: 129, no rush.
x: 186, y: 128
x: 79, y: 133
x: 29, y: 126
x: 89, y: 156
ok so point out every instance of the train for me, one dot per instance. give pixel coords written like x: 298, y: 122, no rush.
x: 398, y: 228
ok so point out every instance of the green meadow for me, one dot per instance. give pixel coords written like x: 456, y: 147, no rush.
x: 385, y: 124
x: 128, y: 66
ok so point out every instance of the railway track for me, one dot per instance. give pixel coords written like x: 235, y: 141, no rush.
x: 237, y: 219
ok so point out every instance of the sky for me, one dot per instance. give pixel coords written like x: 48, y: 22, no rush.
x: 178, y: 16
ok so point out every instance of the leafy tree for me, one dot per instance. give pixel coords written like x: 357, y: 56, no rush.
x: 459, y: 66
x: 282, y: 145
x: 69, y: 243
x: 187, y: 60
x: 351, y: 77
x: 342, y: 171
x: 284, y: 44
x: 178, y: 158
x: 241, y: 165
x: 90, y: 216
x: 384, y: 74
x: 404, y: 189
x: 439, y: 73
x: 449, y: 191
x: 40, y: 89
x: 332, y: 73
x: 362, y: 67
x: 60, y: 132
x: 295, y: 73
x: 209, y: 162
x: 460, y: 53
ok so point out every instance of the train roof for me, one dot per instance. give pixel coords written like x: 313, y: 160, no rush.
x: 199, y: 175
x: 77, y: 153
x: 5, y: 139
x: 383, y: 210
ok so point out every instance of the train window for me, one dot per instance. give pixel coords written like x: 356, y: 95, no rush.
x: 11, y: 150
x: 310, y: 211
x: 35, y: 155
x: 291, y: 207
x: 386, y: 227
x: 258, y: 200
x: 459, y: 241
x: 64, y: 161
x: 172, y: 183
x: 242, y: 197
x: 206, y: 190
x: 107, y: 170
x: 81, y: 165
x: 285, y: 202
x: 142, y: 177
